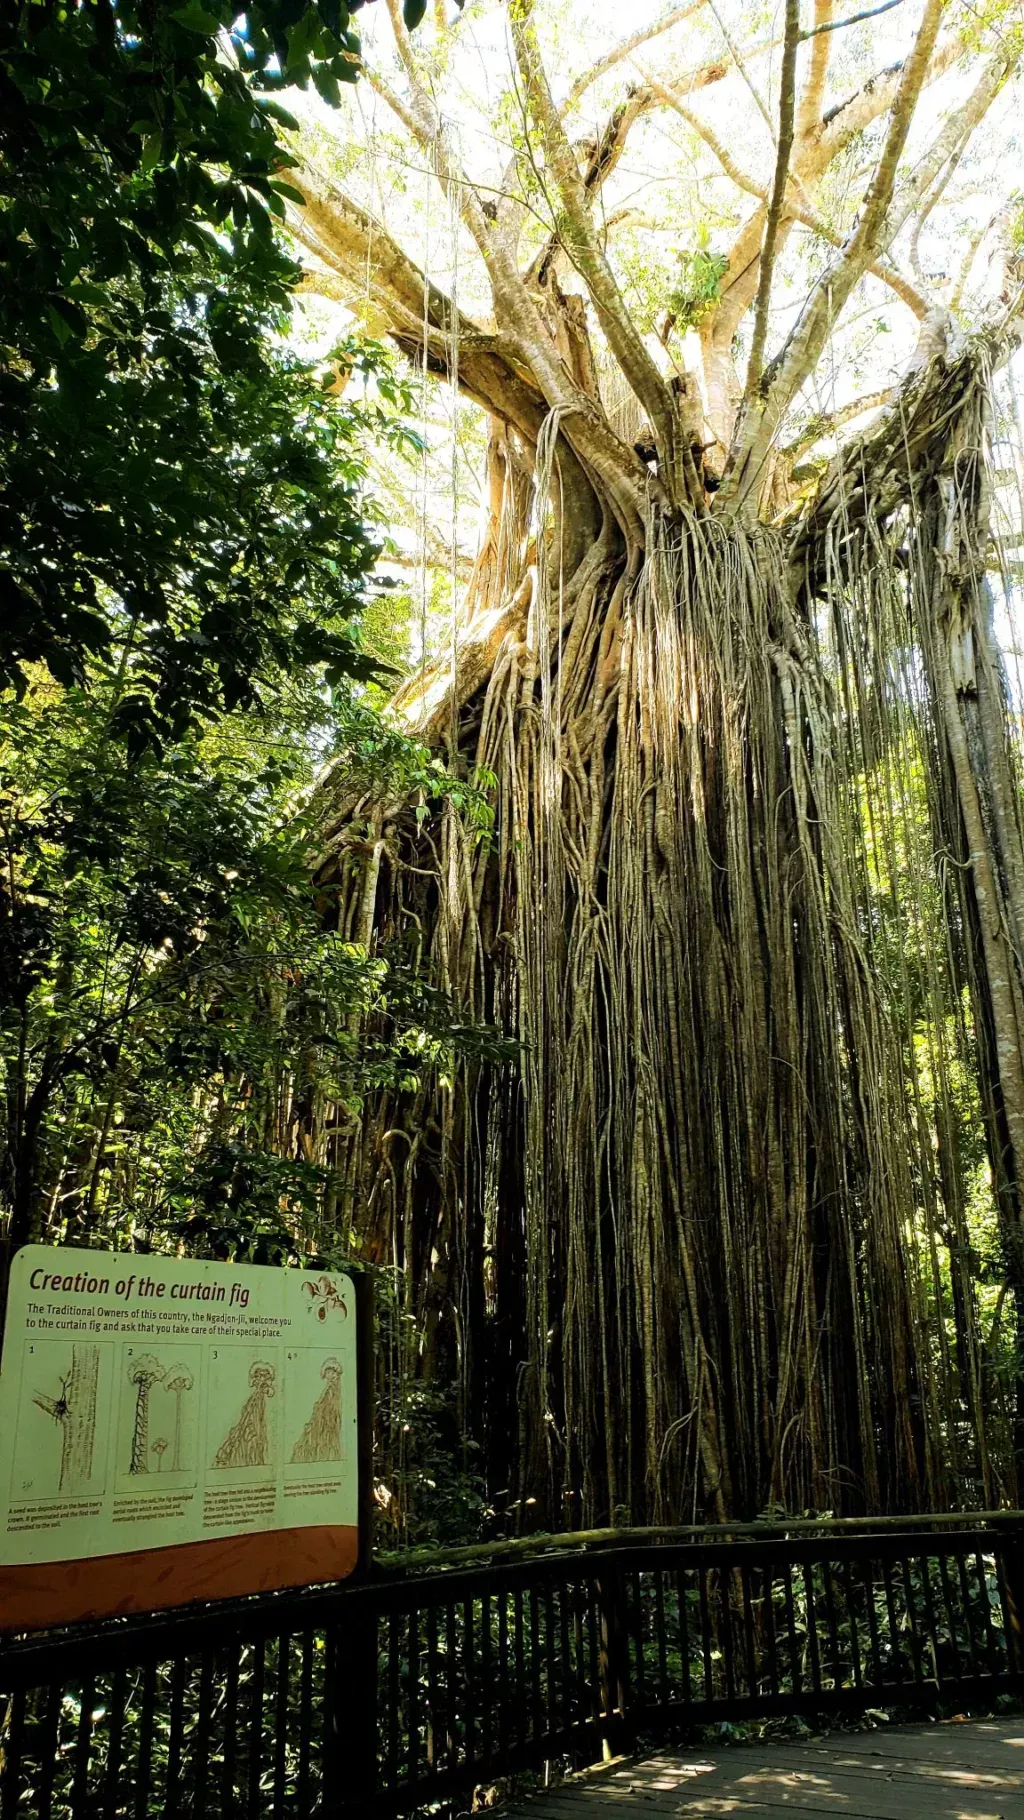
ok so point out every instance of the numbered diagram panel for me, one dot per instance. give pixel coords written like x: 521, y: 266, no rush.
x: 319, y: 1412
x: 243, y: 1410
x: 63, y: 1420
x: 158, y: 1430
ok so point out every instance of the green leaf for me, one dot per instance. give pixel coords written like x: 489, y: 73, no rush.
x: 326, y: 84
x: 195, y: 18
x: 288, y: 190
x: 61, y: 329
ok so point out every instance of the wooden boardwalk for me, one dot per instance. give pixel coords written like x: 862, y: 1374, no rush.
x: 966, y: 1771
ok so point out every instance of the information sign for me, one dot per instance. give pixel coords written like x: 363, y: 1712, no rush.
x: 173, y: 1430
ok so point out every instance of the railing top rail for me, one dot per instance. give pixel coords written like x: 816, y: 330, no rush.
x: 424, y: 1560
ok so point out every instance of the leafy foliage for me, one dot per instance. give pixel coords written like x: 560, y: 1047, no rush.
x: 696, y: 292
x: 173, y: 488
x: 176, y: 1011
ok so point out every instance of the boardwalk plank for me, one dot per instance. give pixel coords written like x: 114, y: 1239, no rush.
x: 970, y: 1771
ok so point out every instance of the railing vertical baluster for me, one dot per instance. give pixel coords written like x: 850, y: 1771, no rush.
x: 451, y: 1686
x: 705, y: 1631
x: 614, y: 1658
x: 413, y: 1757
x: 175, y: 1732
x: 536, y: 1697
x: 594, y: 1646
x: 227, y: 1799
x: 551, y: 1662
x: 868, y: 1578
x: 486, y: 1685
x: 144, y: 1759
x: 915, y: 1631
x: 684, y: 1635
x: 835, y: 1651
x: 965, y: 1594
x: 771, y: 1636
x: 281, y: 1693
x: 432, y: 1694
x: 810, y: 1608
x: 304, y: 1767
x: 201, y: 1754
x: 894, y: 1628
x: 1010, y: 1554
x: 83, y: 1752
x: 929, y: 1615
x: 566, y: 1677
x: 795, y: 1668
x: 254, y: 1754
x: 1008, y: 1609
x: 986, y: 1610
x: 633, y: 1583
x: 951, y: 1614
x: 853, y: 1622
x: 49, y: 1744
x: 13, y: 1751
x: 468, y: 1679
x: 580, y: 1615
x: 115, y: 1744
x: 504, y: 1681
x: 393, y: 1711
x: 725, y: 1629
x: 750, y: 1653
x: 660, y: 1636
x: 519, y: 1657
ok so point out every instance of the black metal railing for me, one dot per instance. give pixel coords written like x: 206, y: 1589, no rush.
x: 409, y: 1690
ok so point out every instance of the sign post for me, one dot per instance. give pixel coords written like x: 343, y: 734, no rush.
x: 173, y: 1430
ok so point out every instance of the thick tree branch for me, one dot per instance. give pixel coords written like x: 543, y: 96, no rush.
x: 796, y: 208
x: 523, y: 326
x: 803, y: 347
x: 626, y: 48
x: 361, y: 253
x: 826, y: 423
x: 602, y: 153
x: 1001, y: 217
x: 787, y: 108
x: 808, y: 110
x: 816, y: 151
x: 876, y: 96
x: 403, y: 42
x: 949, y: 142
x: 576, y: 231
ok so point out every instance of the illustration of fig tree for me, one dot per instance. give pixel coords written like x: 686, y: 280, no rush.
x: 143, y: 1372
x: 178, y: 1379
x: 74, y: 1411
x: 320, y: 1440
x: 246, y: 1442
x: 160, y: 1448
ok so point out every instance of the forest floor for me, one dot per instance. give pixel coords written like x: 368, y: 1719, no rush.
x: 971, y: 1770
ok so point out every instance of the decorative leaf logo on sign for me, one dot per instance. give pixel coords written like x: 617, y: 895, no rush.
x: 325, y: 1296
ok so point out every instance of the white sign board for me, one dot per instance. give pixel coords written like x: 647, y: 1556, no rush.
x: 148, y: 1403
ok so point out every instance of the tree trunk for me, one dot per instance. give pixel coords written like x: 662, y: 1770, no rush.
x: 686, y: 1221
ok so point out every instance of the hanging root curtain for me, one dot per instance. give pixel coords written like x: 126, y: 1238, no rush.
x: 754, y: 909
